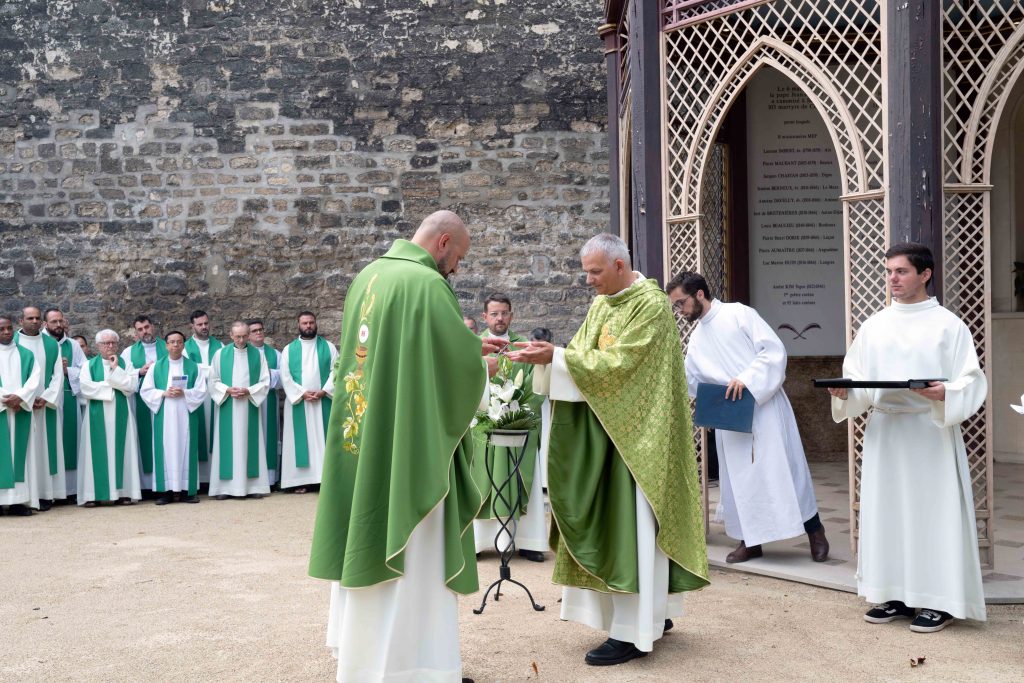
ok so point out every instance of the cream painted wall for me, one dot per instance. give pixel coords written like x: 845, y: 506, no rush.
x: 1007, y: 385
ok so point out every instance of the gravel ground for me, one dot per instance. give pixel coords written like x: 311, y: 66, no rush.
x: 218, y: 591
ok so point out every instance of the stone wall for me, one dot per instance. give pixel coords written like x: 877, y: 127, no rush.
x: 250, y: 156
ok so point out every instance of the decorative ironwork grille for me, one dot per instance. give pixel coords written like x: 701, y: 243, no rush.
x: 982, y: 59
x: 713, y: 227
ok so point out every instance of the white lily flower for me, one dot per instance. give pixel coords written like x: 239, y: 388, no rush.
x: 494, y: 412
x: 514, y: 406
x: 519, y: 379
x: 506, y: 392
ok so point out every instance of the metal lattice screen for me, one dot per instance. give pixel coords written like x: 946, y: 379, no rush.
x: 982, y: 58
x: 713, y: 231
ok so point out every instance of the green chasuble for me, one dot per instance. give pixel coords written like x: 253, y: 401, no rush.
x: 52, y: 350
x: 98, y: 433
x: 270, y: 353
x: 634, y: 427
x: 193, y: 352
x: 408, y: 380
x: 143, y: 418
x: 299, y: 430
x: 14, y: 452
x: 70, y: 410
x: 161, y: 371
x: 226, y: 412
x: 492, y: 502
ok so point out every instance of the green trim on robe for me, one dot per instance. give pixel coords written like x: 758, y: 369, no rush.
x: 143, y: 418
x: 69, y: 409
x: 226, y: 413
x: 12, y: 462
x: 161, y: 370
x: 205, y: 430
x: 270, y: 449
x: 493, y: 505
x: 634, y: 427
x: 299, y: 431
x: 408, y: 380
x: 51, y: 351
x: 98, y: 433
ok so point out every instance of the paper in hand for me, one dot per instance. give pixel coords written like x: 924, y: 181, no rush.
x: 180, y: 382
x: 1020, y: 408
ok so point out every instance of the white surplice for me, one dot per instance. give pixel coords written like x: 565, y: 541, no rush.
x: 123, y: 380
x: 240, y: 483
x: 767, y: 492
x: 275, y: 384
x: 405, y: 630
x: 176, y: 424
x: 291, y: 474
x: 204, y: 361
x: 151, y: 357
x: 72, y: 393
x: 41, y: 482
x: 918, y: 540
x: 10, y: 374
x: 637, y: 618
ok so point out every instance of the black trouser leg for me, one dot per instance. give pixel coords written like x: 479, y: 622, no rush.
x: 813, y: 524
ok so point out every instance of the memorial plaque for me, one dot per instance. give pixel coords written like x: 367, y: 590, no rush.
x: 795, y: 218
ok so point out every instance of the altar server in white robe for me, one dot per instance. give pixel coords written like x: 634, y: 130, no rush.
x: 269, y: 409
x: 146, y: 351
x: 918, y: 540
x: 767, y: 492
x: 200, y: 348
x: 20, y: 379
x: 239, y: 383
x: 307, y: 375
x: 174, y: 389
x: 108, y: 453
x: 47, y: 481
x: 72, y: 360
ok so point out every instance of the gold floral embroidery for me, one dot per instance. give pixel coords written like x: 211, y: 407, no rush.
x: 357, y: 402
x: 606, y: 339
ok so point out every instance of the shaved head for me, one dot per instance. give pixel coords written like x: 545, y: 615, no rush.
x: 446, y: 238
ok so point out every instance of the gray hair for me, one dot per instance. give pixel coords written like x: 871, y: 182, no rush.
x: 107, y: 333
x: 610, y: 245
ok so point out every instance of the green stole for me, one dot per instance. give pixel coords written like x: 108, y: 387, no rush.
x: 271, y: 448
x: 205, y: 434
x: 161, y: 369
x: 12, y: 464
x: 323, y: 358
x: 143, y: 418
x: 98, y: 433
x: 51, y: 351
x: 226, y: 410
x: 70, y: 410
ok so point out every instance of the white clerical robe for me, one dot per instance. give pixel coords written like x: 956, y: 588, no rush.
x: 151, y: 357
x: 240, y: 484
x: 545, y: 440
x: 918, y: 540
x: 176, y: 425
x: 405, y: 630
x: 204, y: 361
x: 78, y: 360
x: 42, y: 483
x: 766, y: 488
x: 11, y: 378
x: 291, y: 474
x: 123, y: 380
x: 637, y: 618
x: 275, y: 384
x: 531, y: 527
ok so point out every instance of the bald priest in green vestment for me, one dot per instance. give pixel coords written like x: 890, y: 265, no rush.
x: 394, y: 519
x: 627, y: 528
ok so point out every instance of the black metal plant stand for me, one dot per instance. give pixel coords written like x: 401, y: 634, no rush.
x: 506, y: 525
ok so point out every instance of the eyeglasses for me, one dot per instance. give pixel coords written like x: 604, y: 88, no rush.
x: 254, y: 330
x: 106, y: 343
x: 678, y: 304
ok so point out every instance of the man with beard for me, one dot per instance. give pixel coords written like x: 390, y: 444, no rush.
x: 269, y: 410
x: 200, y: 348
x: 72, y: 360
x: 308, y: 380
x: 393, y: 520
x: 19, y: 383
x: 146, y: 351
x: 767, y: 493
x: 46, y: 447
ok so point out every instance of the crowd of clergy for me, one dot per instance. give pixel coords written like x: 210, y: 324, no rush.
x: 166, y: 417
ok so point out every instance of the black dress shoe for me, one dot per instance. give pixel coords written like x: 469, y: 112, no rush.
x: 45, y: 505
x: 668, y: 626
x: 165, y: 499
x: 532, y: 555
x: 190, y: 499
x: 743, y: 553
x: 19, y: 511
x: 613, y: 652
x: 467, y: 680
x: 819, y: 545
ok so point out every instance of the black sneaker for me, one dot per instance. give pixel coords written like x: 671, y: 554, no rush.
x: 888, y: 611
x: 930, y: 621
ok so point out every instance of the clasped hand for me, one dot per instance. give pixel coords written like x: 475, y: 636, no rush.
x: 174, y: 392
x: 313, y: 395
x: 238, y: 392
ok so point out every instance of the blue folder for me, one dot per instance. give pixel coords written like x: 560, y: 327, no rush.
x: 715, y: 411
